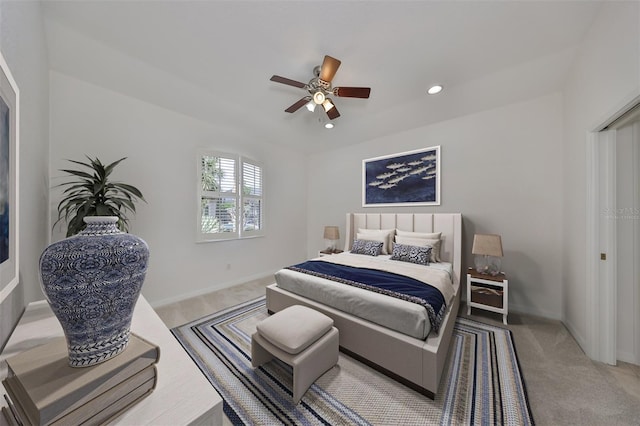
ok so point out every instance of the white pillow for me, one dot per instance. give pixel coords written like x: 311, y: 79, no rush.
x: 384, y: 235
x: 429, y: 235
x: 422, y: 242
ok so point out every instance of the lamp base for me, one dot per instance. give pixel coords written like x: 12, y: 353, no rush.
x: 331, y: 245
x: 488, y: 265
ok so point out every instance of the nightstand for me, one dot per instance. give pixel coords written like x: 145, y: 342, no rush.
x: 488, y: 292
x: 328, y: 252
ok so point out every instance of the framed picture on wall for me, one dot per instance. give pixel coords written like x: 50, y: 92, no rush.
x: 9, y: 121
x: 403, y: 179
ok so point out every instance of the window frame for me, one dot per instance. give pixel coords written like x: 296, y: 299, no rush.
x: 238, y: 195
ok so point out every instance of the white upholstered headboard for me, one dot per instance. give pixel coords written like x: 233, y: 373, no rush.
x: 450, y: 224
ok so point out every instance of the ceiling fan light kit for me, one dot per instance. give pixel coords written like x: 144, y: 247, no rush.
x: 318, y: 98
x: 311, y: 106
x: 319, y: 87
x: 327, y: 104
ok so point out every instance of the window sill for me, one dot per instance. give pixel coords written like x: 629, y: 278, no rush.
x: 216, y: 240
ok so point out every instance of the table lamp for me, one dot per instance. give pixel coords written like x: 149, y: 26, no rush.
x: 331, y: 237
x: 487, y: 249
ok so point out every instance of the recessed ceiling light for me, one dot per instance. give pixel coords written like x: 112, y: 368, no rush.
x: 328, y: 126
x: 434, y: 89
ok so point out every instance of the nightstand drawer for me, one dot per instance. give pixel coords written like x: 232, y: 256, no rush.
x: 487, y: 296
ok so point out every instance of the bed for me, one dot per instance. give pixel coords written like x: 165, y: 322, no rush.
x: 402, y: 354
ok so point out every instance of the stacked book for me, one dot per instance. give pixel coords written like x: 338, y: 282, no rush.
x: 42, y: 389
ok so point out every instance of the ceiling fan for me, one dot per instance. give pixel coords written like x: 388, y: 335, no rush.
x: 319, y: 88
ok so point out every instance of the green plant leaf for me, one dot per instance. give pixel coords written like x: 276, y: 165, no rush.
x: 81, y: 163
x: 103, y: 210
x: 79, y: 173
x: 92, y: 194
x: 99, y: 168
x: 108, y: 169
x: 123, y: 205
x: 80, y: 187
x: 129, y: 189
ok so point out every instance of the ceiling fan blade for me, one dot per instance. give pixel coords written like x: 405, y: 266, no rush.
x: 298, y: 105
x: 329, y: 67
x: 352, y: 92
x: 287, y: 81
x: 333, y: 113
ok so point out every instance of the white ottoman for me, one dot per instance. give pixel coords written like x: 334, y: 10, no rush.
x: 300, y: 337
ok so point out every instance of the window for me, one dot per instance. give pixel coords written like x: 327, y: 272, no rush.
x: 230, y: 197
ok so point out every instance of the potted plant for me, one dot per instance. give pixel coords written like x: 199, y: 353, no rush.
x: 92, y: 193
x: 92, y: 280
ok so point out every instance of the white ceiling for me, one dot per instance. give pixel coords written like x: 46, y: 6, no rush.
x: 212, y: 60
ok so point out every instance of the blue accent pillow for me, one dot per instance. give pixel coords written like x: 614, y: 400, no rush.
x: 368, y: 247
x: 412, y: 254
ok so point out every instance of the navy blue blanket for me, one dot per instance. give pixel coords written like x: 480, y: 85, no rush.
x: 388, y: 283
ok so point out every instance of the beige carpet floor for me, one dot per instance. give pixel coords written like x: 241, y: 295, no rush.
x: 564, y: 386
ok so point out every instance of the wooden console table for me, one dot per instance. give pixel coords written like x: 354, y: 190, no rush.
x: 183, y: 395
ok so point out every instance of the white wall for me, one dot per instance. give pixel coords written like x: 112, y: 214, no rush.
x: 501, y: 169
x: 605, y: 75
x: 161, y: 147
x: 23, y: 47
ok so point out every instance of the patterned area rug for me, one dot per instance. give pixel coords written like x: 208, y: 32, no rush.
x: 481, y: 384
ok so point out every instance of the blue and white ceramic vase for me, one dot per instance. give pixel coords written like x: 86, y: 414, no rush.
x: 92, y: 281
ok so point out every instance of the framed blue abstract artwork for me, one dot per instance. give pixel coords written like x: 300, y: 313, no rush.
x: 403, y: 179
x: 8, y: 180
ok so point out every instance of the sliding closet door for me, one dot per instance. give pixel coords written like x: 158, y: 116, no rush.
x: 627, y: 219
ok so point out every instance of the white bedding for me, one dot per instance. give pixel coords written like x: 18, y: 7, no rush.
x: 399, y: 315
